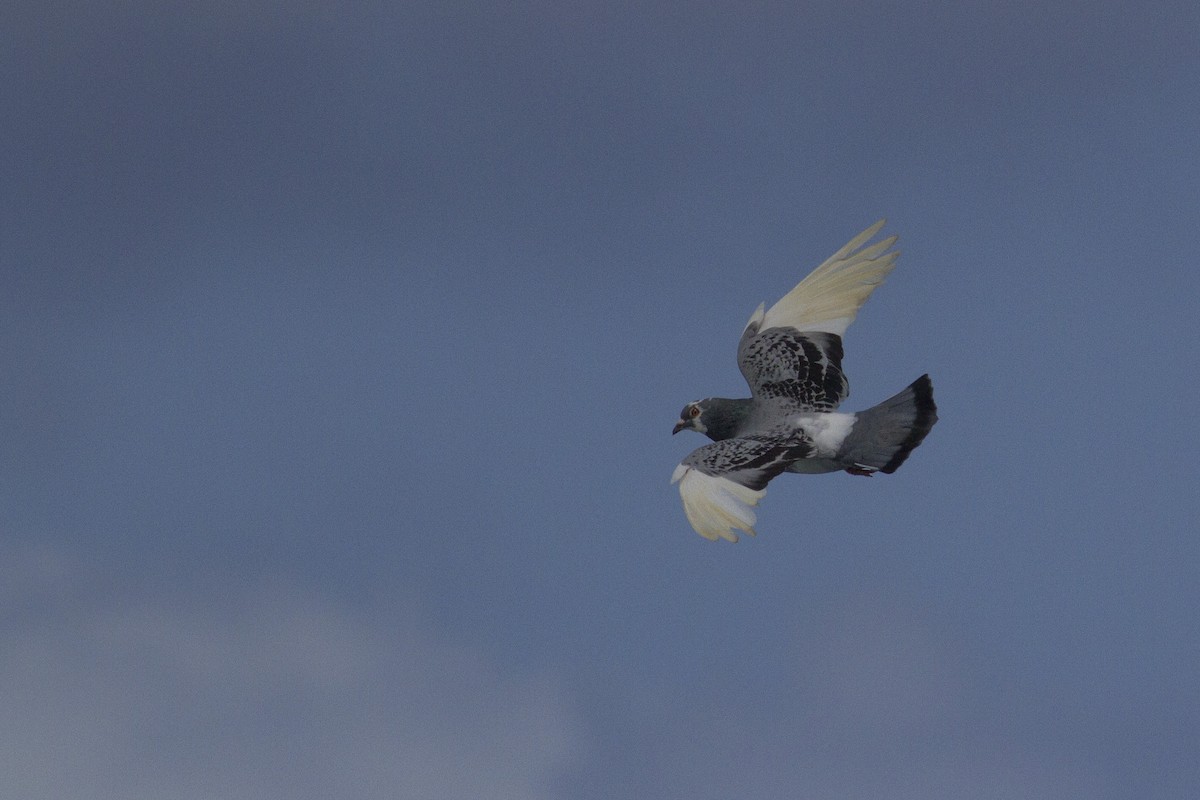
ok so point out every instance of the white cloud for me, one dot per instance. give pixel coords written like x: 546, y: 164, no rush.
x: 268, y: 693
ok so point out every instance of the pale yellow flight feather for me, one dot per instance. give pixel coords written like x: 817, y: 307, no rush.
x: 830, y: 297
x: 716, y: 506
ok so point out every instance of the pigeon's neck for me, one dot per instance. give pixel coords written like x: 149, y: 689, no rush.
x: 725, y: 418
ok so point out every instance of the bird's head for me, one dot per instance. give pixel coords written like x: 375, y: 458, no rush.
x: 716, y: 417
x: 691, y: 418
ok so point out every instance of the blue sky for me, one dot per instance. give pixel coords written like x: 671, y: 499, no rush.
x: 342, y: 346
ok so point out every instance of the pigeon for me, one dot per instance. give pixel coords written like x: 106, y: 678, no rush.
x: 791, y: 356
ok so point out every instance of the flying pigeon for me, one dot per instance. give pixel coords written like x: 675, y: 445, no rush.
x: 791, y: 355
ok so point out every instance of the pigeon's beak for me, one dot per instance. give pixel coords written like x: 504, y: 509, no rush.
x: 678, y: 427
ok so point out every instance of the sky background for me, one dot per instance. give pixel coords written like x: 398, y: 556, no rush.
x: 341, y: 345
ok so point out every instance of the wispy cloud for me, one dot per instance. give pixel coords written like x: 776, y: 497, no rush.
x: 270, y: 693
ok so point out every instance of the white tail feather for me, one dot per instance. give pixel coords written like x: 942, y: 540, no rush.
x: 716, y: 506
x: 830, y: 297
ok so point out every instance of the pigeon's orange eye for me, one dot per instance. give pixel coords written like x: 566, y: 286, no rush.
x: 694, y: 411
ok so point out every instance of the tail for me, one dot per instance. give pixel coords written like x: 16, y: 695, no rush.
x: 884, y: 435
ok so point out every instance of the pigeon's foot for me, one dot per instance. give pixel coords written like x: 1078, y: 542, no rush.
x: 866, y: 472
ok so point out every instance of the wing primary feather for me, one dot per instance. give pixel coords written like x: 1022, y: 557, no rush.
x: 857, y: 242
x: 716, y: 506
x: 829, y: 298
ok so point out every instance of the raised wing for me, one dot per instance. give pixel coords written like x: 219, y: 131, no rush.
x: 721, y: 483
x: 829, y: 298
x: 794, y: 349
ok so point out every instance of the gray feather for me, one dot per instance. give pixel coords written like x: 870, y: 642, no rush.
x: 751, y: 461
x: 805, y: 368
x: 884, y: 435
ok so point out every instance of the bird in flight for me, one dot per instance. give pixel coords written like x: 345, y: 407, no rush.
x: 791, y: 355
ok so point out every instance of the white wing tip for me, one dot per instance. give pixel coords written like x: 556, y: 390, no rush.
x: 830, y: 297
x: 716, y: 506
x: 874, y: 229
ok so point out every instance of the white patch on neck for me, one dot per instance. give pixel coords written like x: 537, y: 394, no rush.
x: 827, y: 430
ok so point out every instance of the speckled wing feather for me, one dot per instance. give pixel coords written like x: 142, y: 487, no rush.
x: 794, y: 349
x: 721, y: 483
x: 805, y: 368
